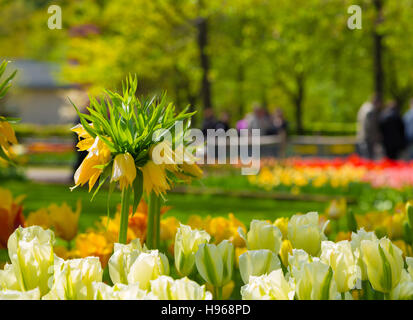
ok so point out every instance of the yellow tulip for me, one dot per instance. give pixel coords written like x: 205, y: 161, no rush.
x: 39, y: 218
x: 93, y: 244
x: 65, y: 221
x: 286, y: 249
x: 196, y: 222
x: 124, y: 170
x: 238, y: 252
x: 169, y: 227
x: 11, y: 215
x: 282, y: 224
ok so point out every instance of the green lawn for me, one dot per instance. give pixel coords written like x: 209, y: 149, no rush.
x: 183, y: 205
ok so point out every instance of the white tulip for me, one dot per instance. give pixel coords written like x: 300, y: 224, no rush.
x: 73, y: 279
x: 343, y: 262
x: 31, y: 255
x: 304, y: 232
x: 257, y: 263
x: 268, y: 287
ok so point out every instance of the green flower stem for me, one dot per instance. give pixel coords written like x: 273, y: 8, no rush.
x: 387, y: 296
x: 368, y: 294
x: 124, y: 215
x: 154, y: 221
x: 343, y: 296
x: 218, y: 293
x: 283, y: 268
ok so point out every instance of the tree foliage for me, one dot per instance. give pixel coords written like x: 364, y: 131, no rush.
x: 298, y: 55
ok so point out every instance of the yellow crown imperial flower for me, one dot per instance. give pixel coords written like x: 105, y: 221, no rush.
x: 7, y: 135
x: 154, y: 178
x: 125, y: 130
x: 124, y: 170
x: 88, y: 171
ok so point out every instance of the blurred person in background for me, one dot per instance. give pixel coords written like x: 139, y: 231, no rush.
x: 223, y: 122
x: 209, y: 121
x: 260, y: 120
x: 392, y: 130
x: 243, y: 123
x: 281, y: 126
x: 408, y: 129
x: 368, y: 133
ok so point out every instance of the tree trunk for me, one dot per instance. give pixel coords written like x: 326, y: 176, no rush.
x: 298, y: 101
x: 202, y: 25
x: 378, y: 53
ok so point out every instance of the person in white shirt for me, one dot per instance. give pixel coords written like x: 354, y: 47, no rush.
x: 368, y: 134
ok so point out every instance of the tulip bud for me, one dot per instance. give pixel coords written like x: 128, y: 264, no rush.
x: 282, y: 224
x: 166, y: 288
x: 73, y: 279
x: 31, y: 254
x: 186, y: 245
x: 215, y: 263
x: 384, y: 263
x: 304, y: 233
x: 257, y: 263
x: 262, y: 235
x: 286, y: 249
x: 337, y: 209
x: 268, y: 287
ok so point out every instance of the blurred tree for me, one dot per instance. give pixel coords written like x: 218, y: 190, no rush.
x: 299, y: 55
